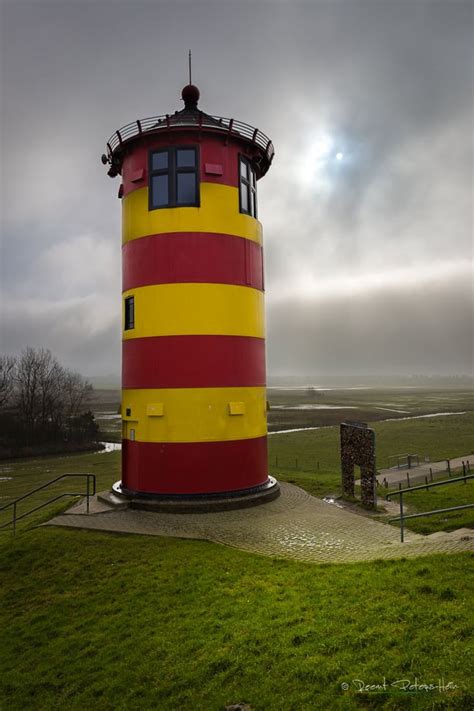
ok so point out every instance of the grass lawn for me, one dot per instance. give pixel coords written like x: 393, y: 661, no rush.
x: 294, y: 456
x: 438, y: 437
x: 97, y: 621
x: 24, y: 475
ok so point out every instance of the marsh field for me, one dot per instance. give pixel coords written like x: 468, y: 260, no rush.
x: 434, y: 424
x: 312, y: 406
x: 91, y: 620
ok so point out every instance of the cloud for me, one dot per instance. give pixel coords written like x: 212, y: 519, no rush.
x: 389, y: 331
x: 382, y: 237
x: 82, y: 332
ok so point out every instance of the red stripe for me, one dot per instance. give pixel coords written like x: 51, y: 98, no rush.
x: 194, y: 467
x: 192, y: 257
x: 193, y: 362
x: 214, y: 152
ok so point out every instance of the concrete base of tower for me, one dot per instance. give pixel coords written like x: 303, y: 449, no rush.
x: 196, y: 503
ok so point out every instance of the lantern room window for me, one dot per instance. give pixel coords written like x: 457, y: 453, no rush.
x: 129, y: 313
x: 247, y: 188
x: 174, y: 178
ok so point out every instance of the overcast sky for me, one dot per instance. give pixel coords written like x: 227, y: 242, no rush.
x: 366, y: 210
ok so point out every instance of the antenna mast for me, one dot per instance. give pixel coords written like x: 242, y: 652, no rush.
x: 190, y: 81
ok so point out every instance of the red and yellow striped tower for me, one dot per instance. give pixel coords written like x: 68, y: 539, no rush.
x: 193, y: 379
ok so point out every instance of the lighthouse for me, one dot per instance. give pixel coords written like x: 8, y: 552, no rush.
x: 194, y: 411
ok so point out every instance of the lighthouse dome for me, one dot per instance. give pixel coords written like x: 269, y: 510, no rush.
x: 190, y: 95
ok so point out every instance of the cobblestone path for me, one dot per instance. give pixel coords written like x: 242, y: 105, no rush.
x: 296, y: 525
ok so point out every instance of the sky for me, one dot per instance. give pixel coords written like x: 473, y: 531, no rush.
x: 367, y: 209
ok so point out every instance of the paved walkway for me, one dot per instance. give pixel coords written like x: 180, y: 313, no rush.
x: 417, y: 474
x: 296, y: 525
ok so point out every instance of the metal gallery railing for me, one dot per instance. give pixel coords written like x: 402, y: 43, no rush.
x: 14, y: 504
x: 199, y: 120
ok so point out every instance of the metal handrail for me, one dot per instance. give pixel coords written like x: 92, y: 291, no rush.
x: 201, y: 120
x: 88, y: 493
x: 403, y: 517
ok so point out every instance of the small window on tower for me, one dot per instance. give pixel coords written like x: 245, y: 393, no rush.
x: 159, y: 160
x: 186, y: 158
x: 129, y: 313
x: 159, y: 190
x: 174, y: 178
x: 186, y: 189
x: 247, y: 188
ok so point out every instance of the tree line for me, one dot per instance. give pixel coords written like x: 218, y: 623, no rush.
x: 42, y: 403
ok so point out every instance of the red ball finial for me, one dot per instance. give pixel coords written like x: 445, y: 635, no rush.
x: 190, y: 96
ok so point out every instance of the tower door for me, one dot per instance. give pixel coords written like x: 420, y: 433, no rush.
x: 129, y: 430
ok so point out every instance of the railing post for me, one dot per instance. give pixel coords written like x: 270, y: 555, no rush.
x: 87, y: 494
x: 431, y: 474
x: 401, y: 518
x: 408, y: 479
x: 14, y: 518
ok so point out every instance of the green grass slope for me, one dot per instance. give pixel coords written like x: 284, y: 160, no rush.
x: 96, y: 621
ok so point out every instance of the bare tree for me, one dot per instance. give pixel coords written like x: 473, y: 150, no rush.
x: 51, y: 392
x: 7, y: 378
x: 48, y: 402
x: 76, y: 391
x: 28, y: 388
x: 48, y: 395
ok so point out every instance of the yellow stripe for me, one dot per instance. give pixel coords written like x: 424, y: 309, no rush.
x: 219, y: 212
x: 196, y: 309
x: 194, y: 414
